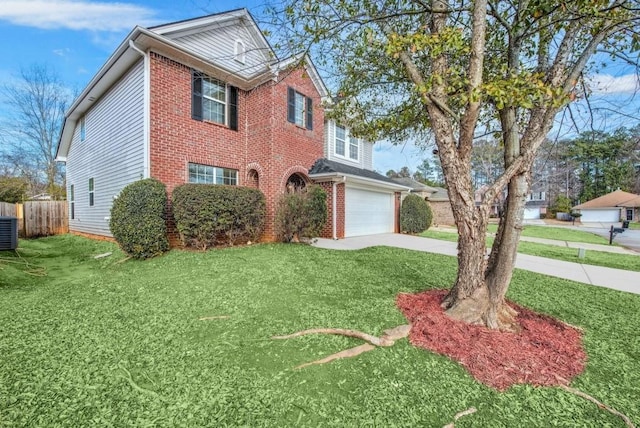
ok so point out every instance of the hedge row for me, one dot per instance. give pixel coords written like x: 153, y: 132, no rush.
x: 210, y: 215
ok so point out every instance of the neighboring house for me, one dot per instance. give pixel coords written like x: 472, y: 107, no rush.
x: 441, y: 207
x: 612, y: 207
x: 206, y: 100
x: 41, y: 197
x: 535, y: 206
x: 417, y: 188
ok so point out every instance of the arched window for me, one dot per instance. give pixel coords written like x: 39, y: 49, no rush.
x: 296, y: 183
x: 253, y: 179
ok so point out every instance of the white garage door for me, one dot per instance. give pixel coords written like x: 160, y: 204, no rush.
x: 532, y: 213
x: 368, y: 212
x: 600, y: 216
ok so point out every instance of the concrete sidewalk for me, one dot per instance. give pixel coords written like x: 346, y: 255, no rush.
x: 615, y: 279
x: 558, y: 243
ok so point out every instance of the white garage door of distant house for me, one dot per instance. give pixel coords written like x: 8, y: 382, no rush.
x: 532, y: 213
x: 612, y: 215
x: 368, y: 212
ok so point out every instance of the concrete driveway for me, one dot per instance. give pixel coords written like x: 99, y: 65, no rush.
x: 629, y: 238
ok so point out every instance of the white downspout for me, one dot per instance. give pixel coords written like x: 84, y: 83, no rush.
x: 146, y: 172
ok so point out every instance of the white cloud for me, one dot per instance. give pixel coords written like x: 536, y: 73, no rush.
x: 62, y: 52
x: 74, y: 15
x: 607, y: 84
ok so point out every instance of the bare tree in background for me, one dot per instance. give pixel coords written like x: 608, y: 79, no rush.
x: 36, y: 106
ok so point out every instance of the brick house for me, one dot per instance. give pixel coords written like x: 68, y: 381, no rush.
x: 206, y: 101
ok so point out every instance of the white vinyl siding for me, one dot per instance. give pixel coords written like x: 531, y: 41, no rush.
x: 113, y: 153
x: 216, y: 46
x: 365, y: 149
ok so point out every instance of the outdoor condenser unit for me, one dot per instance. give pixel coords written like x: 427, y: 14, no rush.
x: 8, y: 233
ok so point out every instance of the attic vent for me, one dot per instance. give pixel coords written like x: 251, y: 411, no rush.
x: 240, y: 54
x: 8, y: 233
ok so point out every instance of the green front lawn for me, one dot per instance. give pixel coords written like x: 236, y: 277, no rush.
x: 558, y: 233
x: 596, y: 258
x: 100, y: 342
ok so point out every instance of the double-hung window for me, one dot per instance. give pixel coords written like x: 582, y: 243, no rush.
x: 299, y: 109
x: 214, y: 101
x: 205, y: 174
x: 345, y: 145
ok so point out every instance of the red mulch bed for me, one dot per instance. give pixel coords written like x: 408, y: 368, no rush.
x: 546, y: 352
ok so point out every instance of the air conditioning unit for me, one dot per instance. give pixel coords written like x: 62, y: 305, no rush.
x: 8, y: 233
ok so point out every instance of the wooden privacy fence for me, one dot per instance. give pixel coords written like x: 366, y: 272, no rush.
x: 38, y: 218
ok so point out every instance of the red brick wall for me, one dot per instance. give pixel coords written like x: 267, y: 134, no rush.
x: 327, y: 231
x: 265, y: 142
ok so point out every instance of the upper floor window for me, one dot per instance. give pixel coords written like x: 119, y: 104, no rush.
x: 83, y: 129
x: 346, y: 146
x: 240, y: 52
x: 299, y: 109
x: 205, y: 174
x: 214, y: 101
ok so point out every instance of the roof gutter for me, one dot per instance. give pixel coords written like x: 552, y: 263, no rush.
x: 341, y: 177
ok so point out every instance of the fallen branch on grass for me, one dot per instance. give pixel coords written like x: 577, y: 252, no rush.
x: 216, y: 317
x: 469, y: 411
x: 598, y: 403
x: 388, y: 339
x: 348, y: 353
x: 127, y: 376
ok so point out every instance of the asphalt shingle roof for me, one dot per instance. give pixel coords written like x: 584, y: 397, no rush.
x: 326, y: 166
x: 618, y: 198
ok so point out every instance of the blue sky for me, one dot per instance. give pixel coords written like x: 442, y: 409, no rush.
x: 75, y: 37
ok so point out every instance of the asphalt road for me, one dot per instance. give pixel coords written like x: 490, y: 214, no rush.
x: 629, y: 238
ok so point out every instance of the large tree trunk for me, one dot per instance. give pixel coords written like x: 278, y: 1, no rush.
x: 478, y: 294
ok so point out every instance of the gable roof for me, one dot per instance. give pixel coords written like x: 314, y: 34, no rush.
x: 440, y: 195
x: 328, y: 169
x: 614, y: 199
x: 415, y: 185
x: 165, y: 39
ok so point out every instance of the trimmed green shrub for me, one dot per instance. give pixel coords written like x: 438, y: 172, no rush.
x: 415, y: 214
x: 138, y: 219
x: 562, y: 204
x: 301, y: 215
x: 207, y: 215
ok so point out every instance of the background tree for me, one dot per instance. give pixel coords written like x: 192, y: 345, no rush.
x: 430, y: 173
x: 36, y: 105
x: 417, y: 68
x: 606, y: 162
x: 486, y: 162
x: 13, y: 189
x: 554, y: 171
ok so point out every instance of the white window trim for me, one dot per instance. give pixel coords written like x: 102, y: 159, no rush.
x: 224, y: 103
x: 92, y: 192
x: 215, y: 171
x: 348, y: 142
